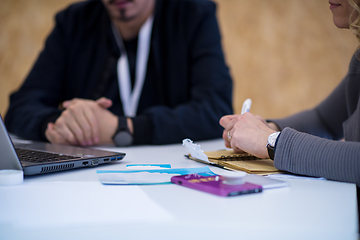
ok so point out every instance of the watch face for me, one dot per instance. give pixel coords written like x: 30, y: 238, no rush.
x: 272, y: 138
x: 123, y: 138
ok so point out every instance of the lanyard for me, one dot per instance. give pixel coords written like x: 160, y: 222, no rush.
x: 130, y: 99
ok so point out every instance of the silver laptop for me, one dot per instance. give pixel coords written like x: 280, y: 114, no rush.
x: 39, y: 157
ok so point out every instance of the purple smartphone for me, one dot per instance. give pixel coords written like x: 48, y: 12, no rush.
x: 214, y: 184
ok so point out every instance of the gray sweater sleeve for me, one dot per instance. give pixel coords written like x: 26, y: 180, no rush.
x: 305, y: 154
x: 308, y: 121
x: 318, y: 154
x: 325, y: 120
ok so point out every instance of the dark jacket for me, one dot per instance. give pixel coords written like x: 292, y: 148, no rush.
x: 187, y: 87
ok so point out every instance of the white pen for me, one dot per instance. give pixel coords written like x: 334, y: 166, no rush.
x: 246, y: 106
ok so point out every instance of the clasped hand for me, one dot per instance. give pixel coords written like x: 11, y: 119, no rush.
x: 83, y: 122
x: 246, y: 133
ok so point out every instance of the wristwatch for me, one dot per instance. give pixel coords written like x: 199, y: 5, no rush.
x: 271, y: 144
x: 122, y: 136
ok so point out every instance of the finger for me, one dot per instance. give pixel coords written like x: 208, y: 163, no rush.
x: 226, y: 139
x: 225, y: 120
x: 68, y: 128
x: 67, y: 103
x: 80, y: 126
x: 67, y: 135
x: 228, y: 122
x: 88, y: 123
x: 94, y: 128
x: 79, y: 122
x: 230, y: 135
x: 273, y: 126
x: 261, y: 119
x: 228, y: 145
x: 104, y: 102
x: 238, y: 150
x: 49, y: 133
x: 53, y: 136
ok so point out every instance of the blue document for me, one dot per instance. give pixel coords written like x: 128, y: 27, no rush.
x: 146, y: 176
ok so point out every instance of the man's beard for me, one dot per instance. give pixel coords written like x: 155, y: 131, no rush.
x: 123, y: 16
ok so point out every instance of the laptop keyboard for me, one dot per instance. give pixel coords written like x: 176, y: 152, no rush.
x: 38, y: 156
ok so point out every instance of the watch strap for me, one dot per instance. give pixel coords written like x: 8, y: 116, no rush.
x: 122, y: 125
x: 271, y: 145
x: 122, y: 136
x: 271, y: 151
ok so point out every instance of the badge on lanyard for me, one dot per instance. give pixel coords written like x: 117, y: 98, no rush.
x: 130, y: 99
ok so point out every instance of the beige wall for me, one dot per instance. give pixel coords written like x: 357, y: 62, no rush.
x: 286, y: 55
x: 24, y: 25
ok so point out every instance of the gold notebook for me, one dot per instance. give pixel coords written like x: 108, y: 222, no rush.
x: 241, y: 162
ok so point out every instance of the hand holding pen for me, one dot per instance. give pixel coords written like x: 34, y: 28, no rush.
x: 245, y: 108
x: 246, y: 132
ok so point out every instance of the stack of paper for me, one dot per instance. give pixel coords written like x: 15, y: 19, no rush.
x: 241, y: 162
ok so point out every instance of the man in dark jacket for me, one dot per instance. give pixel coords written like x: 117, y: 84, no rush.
x: 129, y: 72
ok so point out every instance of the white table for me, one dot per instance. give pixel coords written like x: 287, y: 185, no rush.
x: 75, y: 205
